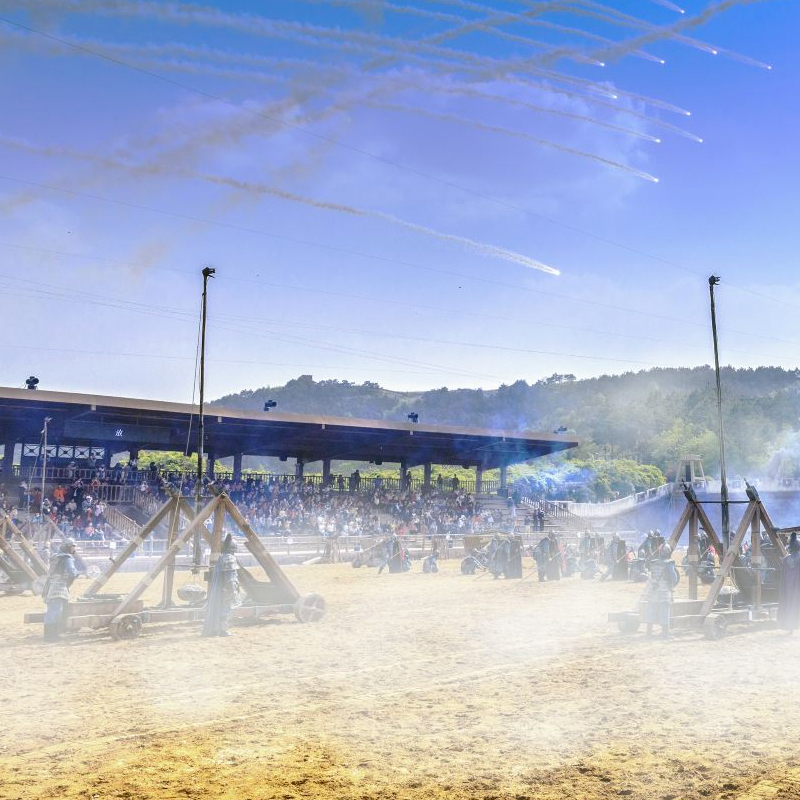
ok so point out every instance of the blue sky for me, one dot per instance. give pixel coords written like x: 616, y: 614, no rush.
x: 124, y: 186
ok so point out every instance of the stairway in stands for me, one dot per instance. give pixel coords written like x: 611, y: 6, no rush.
x: 567, y: 526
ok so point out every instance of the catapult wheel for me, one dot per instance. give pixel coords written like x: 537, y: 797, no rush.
x: 715, y: 626
x: 127, y: 627
x: 310, y: 608
x: 629, y: 624
x: 468, y: 566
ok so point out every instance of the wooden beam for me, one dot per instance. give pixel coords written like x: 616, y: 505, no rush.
x: 162, y: 562
x: 24, y: 543
x: 774, y: 533
x: 267, y: 562
x: 169, y: 572
x: 116, y: 563
x: 709, y: 528
x: 755, y: 557
x: 216, y: 536
x: 677, y: 531
x: 693, y: 554
x: 17, y: 560
x: 727, y: 561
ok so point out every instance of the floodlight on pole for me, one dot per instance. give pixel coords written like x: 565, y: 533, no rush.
x: 47, y: 421
x: 208, y: 272
x: 726, y: 526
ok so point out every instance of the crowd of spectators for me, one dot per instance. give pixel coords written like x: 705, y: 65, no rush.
x: 72, y: 506
x: 282, y: 507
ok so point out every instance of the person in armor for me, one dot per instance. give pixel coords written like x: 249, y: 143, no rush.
x: 63, y: 571
x: 499, y: 560
x: 647, y: 547
x: 659, y: 591
x: 223, y: 591
x: 589, y: 570
x: 789, y: 596
x: 541, y: 555
x: 554, y: 562
x: 429, y: 563
x: 620, y: 552
x: 514, y: 565
x: 393, y: 558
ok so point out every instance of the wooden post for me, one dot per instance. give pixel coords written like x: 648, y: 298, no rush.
x: 755, y: 557
x: 693, y: 555
x: 169, y: 572
x: 216, y: 535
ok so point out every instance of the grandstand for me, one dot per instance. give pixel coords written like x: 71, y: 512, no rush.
x: 86, y: 429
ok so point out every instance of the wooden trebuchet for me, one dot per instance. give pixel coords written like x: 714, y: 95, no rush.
x: 124, y: 615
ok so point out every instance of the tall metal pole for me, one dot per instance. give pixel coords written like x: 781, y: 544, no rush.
x: 44, y: 466
x: 207, y: 273
x: 726, y: 525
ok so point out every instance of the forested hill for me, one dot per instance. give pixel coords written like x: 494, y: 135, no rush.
x: 653, y: 416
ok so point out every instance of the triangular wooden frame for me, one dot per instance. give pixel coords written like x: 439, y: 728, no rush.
x: 10, y: 535
x: 216, y: 507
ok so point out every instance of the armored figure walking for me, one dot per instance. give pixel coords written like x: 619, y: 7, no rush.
x: 223, y: 591
x: 63, y: 571
x: 659, y: 591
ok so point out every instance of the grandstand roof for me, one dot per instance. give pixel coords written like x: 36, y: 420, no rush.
x: 120, y: 422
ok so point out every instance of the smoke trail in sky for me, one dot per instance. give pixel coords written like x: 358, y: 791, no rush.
x: 524, y: 18
x: 465, y: 26
x: 252, y: 187
x: 670, y: 6
x: 473, y: 123
x: 315, y: 35
x: 674, y: 31
x: 469, y: 92
x: 281, y: 68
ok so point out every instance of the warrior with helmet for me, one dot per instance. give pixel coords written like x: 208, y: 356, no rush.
x: 63, y: 571
x: 223, y: 591
x: 659, y: 590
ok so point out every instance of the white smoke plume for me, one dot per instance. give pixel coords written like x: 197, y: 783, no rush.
x: 520, y: 135
x: 258, y: 188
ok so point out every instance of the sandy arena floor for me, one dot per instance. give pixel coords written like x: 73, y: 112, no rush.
x: 414, y: 686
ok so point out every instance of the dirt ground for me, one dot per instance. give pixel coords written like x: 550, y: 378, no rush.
x: 413, y: 686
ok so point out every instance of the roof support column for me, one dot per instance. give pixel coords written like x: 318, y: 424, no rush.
x: 427, y: 476
x: 237, y: 467
x: 8, y: 459
x: 299, y: 467
x: 403, y: 475
x: 503, y: 478
x: 210, y: 459
x: 326, y: 471
x: 478, y: 478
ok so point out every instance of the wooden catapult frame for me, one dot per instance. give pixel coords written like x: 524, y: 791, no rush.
x: 124, y: 615
x: 27, y: 562
x: 703, y: 612
x: 754, y: 520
